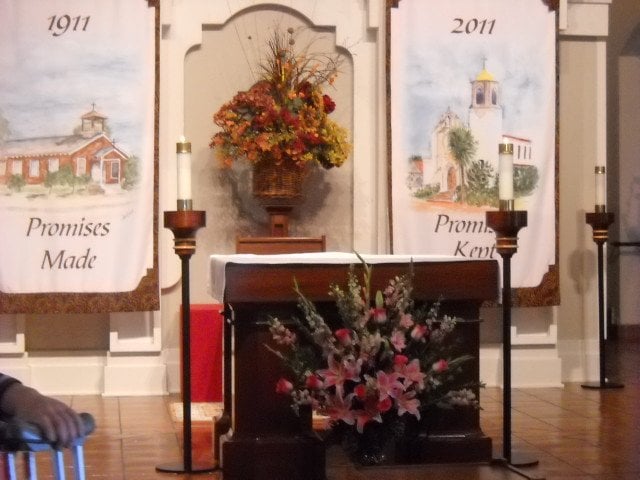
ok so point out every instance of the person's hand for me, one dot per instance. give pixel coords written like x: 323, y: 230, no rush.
x: 59, y: 423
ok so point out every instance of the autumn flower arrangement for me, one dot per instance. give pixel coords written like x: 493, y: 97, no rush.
x: 384, y: 363
x: 284, y: 117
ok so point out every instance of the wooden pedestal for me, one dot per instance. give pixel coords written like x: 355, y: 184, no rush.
x: 275, y: 245
x: 269, y: 440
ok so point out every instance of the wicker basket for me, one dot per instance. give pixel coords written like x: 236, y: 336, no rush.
x: 277, y: 183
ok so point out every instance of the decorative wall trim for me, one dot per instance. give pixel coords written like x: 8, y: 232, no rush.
x: 530, y: 368
x: 12, y: 339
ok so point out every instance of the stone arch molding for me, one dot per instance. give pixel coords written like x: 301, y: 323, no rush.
x: 358, y: 28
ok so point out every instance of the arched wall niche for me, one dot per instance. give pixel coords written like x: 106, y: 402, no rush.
x: 213, y: 75
x: 210, y: 52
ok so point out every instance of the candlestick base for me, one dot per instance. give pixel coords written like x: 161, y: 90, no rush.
x: 184, y: 224
x: 604, y: 385
x: 179, y: 467
x: 506, y: 224
x: 521, y: 459
x: 515, y: 468
x: 600, y: 222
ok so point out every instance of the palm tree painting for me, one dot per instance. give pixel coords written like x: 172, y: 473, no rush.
x: 463, y: 149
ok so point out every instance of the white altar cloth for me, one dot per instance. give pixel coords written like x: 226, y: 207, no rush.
x: 217, y: 263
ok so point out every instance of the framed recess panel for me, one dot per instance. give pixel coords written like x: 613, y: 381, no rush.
x: 465, y: 76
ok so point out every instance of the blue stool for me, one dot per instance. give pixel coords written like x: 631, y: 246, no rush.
x: 19, y: 438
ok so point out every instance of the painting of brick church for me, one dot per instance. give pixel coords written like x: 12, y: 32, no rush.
x: 86, y: 161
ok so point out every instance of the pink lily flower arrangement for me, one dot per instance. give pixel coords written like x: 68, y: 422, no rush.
x: 383, y: 359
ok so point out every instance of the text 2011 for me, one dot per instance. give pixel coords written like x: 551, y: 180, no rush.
x: 474, y: 25
x: 61, y: 24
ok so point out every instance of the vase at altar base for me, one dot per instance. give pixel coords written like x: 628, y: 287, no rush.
x: 385, y: 444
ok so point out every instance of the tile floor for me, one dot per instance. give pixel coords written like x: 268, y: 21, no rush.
x: 575, y: 433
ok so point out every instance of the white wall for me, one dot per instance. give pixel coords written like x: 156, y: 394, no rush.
x: 551, y: 344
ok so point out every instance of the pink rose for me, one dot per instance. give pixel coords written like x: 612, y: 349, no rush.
x: 440, y: 366
x: 344, y: 336
x: 400, y: 360
x: 360, y: 392
x: 398, y: 340
x: 379, y: 315
x: 284, y: 386
x: 406, y: 320
x: 419, y: 332
x: 385, y: 405
x: 313, y: 382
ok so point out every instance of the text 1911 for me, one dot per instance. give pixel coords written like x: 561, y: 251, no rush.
x: 61, y: 24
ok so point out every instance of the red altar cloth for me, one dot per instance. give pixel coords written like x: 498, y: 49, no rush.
x: 206, y: 353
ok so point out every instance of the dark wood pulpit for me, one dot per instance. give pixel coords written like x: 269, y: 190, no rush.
x: 269, y: 440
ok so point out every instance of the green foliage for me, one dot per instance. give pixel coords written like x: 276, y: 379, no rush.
x: 463, y: 148
x: 462, y: 144
x: 481, y: 186
x: 50, y: 180
x: 427, y: 191
x: 65, y: 176
x: 83, y: 180
x: 16, y: 182
x: 131, y: 173
x: 525, y: 180
x: 4, y: 129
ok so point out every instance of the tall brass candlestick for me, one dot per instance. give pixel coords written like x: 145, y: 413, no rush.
x: 600, y: 221
x: 184, y: 224
x: 506, y: 223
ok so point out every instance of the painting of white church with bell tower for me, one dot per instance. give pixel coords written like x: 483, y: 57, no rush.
x: 466, y: 76
x: 443, y: 178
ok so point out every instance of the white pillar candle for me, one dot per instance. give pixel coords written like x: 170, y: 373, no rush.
x: 505, y: 170
x: 600, y: 186
x: 183, y: 150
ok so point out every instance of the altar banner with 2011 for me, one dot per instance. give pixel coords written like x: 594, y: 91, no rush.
x: 465, y: 76
x: 77, y: 164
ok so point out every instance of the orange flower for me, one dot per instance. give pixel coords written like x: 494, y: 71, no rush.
x: 284, y: 116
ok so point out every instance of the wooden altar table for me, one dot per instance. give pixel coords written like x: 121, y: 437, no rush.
x: 269, y: 440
